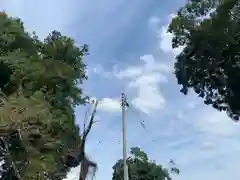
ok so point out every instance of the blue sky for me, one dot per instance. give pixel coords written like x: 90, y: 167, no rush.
x: 131, y: 52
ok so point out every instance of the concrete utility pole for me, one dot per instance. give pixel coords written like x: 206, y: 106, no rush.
x: 124, y: 104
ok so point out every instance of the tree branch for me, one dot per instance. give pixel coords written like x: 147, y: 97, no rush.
x: 10, y: 159
x: 87, y: 130
x: 85, y: 163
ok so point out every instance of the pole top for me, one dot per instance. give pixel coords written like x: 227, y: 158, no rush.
x: 124, y: 100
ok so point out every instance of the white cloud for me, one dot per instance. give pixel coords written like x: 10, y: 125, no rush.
x: 165, y: 39
x: 144, y: 80
x: 148, y: 99
x: 130, y: 72
x: 109, y: 105
x: 165, y: 42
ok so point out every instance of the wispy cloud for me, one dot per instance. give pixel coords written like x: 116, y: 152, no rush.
x: 110, y: 105
x: 143, y: 81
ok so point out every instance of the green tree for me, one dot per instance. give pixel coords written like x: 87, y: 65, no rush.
x: 40, y: 86
x: 141, y: 168
x: 209, y: 63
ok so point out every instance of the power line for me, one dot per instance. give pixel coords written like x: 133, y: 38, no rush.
x: 141, y: 121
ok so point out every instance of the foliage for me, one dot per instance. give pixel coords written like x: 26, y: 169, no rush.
x: 141, y: 168
x: 209, y: 63
x: 40, y: 82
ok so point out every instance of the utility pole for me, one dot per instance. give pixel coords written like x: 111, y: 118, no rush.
x: 124, y: 104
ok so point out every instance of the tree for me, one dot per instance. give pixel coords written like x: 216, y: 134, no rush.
x: 39, y: 83
x: 141, y: 168
x: 208, y: 31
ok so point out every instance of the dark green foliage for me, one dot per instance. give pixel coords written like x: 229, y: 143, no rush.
x: 141, y: 168
x: 209, y: 63
x: 40, y: 82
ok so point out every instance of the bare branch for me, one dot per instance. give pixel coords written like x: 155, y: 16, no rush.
x: 86, y: 131
x: 10, y: 159
x: 85, y: 163
x: 85, y: 119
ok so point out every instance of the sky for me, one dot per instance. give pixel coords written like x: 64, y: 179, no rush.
x: 130, y: 52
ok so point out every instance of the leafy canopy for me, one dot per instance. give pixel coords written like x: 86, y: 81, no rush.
x: 141, y: 168
x: 209, y: 63
x: 39, y: 83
